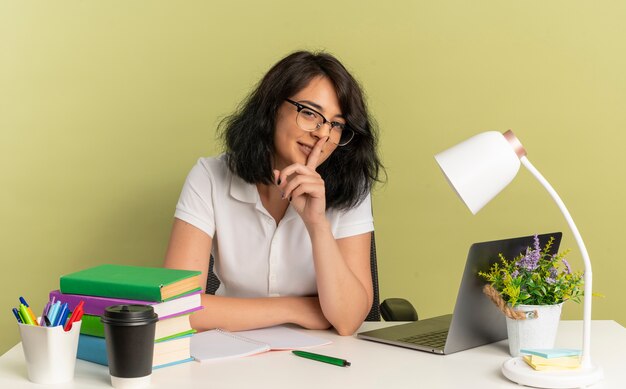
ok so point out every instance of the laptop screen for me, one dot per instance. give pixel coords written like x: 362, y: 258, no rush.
x: 476, y: 320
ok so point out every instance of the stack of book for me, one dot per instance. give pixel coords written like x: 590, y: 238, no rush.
x: 174, y: 295
x: 552, y: 359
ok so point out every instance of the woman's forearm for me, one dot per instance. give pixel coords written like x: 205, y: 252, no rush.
x: 344, y: 298
x: 240, y: 314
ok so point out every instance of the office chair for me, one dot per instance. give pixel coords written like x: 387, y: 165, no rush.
x: 392, y: 309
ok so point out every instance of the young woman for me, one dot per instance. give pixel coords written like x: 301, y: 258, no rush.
x: 286, y: 210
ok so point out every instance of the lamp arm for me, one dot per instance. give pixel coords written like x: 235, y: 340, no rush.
x: 586, y: 349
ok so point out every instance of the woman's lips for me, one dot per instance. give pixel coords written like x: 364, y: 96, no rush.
x: 306, y: 150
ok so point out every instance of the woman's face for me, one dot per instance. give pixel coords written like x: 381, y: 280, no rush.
x: 291, y: 143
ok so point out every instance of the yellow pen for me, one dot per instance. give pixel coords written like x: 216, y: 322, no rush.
x: 26, y: 315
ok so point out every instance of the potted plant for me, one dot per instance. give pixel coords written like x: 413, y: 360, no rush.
x: 530, y: 289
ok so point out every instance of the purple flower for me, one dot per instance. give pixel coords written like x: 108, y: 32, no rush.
x: 550, y: 280
x: 515, y: 273
x: 553, y: 272
x: 537, y: 246
x: 569, y: 269
x: 530, y: 261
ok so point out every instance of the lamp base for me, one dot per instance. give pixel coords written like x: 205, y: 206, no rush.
x: 516, y: 370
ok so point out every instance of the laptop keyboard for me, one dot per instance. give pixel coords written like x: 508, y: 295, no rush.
x: 435, y: 339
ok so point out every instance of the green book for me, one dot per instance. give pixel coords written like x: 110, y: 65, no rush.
x: 166, y: 329
x: 91, y: 325
x: 131, y: 282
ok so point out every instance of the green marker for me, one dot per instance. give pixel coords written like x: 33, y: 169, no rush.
x: 322, y: 358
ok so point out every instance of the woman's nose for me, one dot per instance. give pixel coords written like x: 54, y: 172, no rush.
x: 323, y: 130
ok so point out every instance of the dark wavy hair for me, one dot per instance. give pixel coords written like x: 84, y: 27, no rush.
x: 248, y: 134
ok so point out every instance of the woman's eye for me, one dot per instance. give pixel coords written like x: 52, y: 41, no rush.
x: 339, y: 126
x: 308, y: 114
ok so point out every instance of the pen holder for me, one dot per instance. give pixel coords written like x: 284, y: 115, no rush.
x: 50, y: 352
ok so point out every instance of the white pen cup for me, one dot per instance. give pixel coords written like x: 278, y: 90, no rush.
x: 50, y: 352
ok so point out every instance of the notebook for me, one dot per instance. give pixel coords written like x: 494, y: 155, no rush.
x: 476, y: 320
x: 218, y: 344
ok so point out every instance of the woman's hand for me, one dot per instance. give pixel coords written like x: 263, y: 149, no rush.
x: 304, y: 187
x: 308, y: 314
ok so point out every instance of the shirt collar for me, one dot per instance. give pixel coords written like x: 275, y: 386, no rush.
x: 242, y: 191
x: 248, y: 193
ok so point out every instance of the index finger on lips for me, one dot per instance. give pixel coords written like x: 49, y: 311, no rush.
x: 315, y: 154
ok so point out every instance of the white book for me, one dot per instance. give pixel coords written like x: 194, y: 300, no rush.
x: 176, y: 344
x: 171, y: 352
x: 172, y: 326
x: 171, y: 357
x: 218, y: 344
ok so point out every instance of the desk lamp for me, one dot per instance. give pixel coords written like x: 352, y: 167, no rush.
x: 478, y: 169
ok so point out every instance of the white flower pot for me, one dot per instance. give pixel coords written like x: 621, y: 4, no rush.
x: 539, y: 332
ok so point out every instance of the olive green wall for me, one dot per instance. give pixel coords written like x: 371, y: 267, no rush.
x: 105, y: 106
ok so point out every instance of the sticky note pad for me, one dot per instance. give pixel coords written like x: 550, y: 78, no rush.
x: 552, y: 352
x: 573, y: 361
x: 564, y: 363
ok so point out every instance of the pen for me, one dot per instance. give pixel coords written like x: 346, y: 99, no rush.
x: 54, y: 311
x: 72, y: 320
x: 322, y: 358
x: 66, y: 315
x: 29, y: 311
x: 17, y: 315
x: 76, y: 316
x: 46, y: 315
x: 50, y: 306
x: 25, y: 316
x: 43, y: 315
x: 61, y: 316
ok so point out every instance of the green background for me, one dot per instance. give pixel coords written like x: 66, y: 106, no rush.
x: 105, y: 106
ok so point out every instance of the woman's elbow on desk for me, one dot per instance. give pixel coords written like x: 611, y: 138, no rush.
x: 348, y: 327
x: 347, y: 331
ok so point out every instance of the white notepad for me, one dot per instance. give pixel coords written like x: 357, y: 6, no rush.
x: 219, y: 344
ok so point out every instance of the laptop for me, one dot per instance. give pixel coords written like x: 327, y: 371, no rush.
x: 476, y: 320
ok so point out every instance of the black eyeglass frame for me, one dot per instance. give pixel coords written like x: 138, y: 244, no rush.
x: 342, y: 126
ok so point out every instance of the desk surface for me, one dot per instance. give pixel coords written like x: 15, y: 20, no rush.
x: 373, y: 366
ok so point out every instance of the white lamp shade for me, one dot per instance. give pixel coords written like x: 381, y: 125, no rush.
x: 479, y: 168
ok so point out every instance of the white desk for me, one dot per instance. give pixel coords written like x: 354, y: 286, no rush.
x: 373, y: 366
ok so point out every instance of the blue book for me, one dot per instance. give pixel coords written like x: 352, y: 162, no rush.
x: 172, y: 363
x: 552, y: 352
x: 92, y: 349
x: 166, y: 353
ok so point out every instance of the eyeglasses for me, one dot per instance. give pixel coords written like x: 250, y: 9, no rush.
x: 310, y: 120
